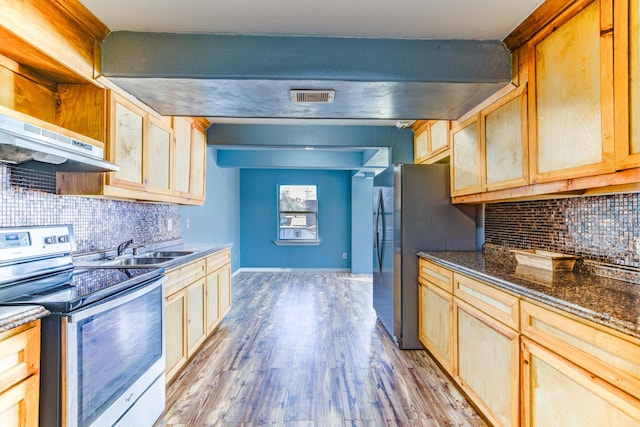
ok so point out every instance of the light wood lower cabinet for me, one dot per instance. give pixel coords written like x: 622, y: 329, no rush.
x: 19, y: 375
x: 486, y: 363
x: 198, y: 296
x: 436, y: 322
x: 523, y: 363
x: 176, y: 354
x: 557, y: 392
x: 196, y: 322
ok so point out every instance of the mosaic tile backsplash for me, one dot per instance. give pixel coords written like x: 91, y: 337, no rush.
x: 98, y: 224
x: 599, y: 228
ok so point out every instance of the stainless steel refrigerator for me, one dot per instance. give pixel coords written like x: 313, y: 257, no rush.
x: 412, y: 212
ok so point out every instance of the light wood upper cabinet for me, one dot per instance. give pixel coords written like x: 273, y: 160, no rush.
x: 466, y: 158
x: 158, y: 165
x: 627, y: 83
x: 506, y: 141
x: 198, y: 164
x: 190, y: 160
x: 431, y: 141
x: 571, y: 94
x: 126, y: 137
x: 182, y: 128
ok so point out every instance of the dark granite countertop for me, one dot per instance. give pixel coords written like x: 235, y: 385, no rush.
x: 14, y: 316
x: 609, y: 302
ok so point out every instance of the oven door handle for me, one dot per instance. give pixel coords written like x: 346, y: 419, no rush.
x: 116, y: 300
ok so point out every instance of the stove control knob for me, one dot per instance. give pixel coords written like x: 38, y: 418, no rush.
x: 50, y: 240
x: 63, y: 239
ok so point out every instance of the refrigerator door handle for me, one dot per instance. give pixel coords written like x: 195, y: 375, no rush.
x: 379, y: 216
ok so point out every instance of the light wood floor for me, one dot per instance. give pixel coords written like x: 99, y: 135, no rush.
x: 305, y: 349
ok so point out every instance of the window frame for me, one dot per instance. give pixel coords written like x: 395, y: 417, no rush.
x: 296, y: 242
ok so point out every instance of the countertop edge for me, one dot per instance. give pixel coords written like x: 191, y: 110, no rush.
x: 14, y: 316
x: 200, y: 250
x: 587, y: 314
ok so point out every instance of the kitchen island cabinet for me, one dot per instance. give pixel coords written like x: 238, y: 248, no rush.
x: 197, y: 297
x: 20, y: 375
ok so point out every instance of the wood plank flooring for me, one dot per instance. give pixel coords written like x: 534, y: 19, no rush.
x: 305, y: 349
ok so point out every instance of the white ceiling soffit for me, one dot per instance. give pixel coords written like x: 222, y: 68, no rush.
x: 410, y: 19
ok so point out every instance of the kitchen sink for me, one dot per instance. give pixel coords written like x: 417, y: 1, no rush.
x: 164, y: 254
x: 133, y: 261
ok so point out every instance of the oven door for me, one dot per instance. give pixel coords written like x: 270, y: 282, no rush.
x: 114, y: 354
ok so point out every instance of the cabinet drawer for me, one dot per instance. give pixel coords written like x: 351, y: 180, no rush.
x: 611, y: 357
x: 435, y: 274
x: 494, y: 302
x: 218, y: 259
x: 19, y: 354
x: 185, y: 275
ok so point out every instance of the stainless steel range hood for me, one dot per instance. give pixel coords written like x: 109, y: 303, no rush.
x: 35, y: 147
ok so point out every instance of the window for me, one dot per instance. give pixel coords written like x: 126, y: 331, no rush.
x: 297, y: 214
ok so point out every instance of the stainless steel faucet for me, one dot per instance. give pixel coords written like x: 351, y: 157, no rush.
x: 123, y: 247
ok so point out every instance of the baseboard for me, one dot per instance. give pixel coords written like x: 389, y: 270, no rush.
x: 290, y: 270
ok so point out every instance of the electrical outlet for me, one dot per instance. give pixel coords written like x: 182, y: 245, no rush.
x: 344, y: 255
x: 169, y: 224
x: 638, y: 246
x: 188, y: 223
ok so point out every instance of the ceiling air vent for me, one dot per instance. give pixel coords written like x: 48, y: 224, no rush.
x: 320, y: 96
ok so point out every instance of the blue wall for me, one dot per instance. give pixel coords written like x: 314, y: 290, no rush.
x: 218, y: 221
x: 362, y: 225
x: 258, y: 219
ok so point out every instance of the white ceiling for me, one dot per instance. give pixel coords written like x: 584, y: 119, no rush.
x: 412, y: 19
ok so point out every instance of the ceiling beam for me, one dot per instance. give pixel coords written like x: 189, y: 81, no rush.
x: 250, y: 76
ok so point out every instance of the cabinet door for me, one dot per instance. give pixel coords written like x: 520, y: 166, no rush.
x: 571, y: 99
x: 225, y: 290
x: 627, y: 83
x: 558, y: 393
x: 486, y: 364
x: 435, y: 328
x: 19, y: 404
x: 466, y: 171
x: 158, y: 158
x: 505, y: 141
x: 175, y: 333
x: 197, y: 328
x: 213, y: 301
x: 612, y: 357
x: 126, y: 136
x: 198, y: 164
x: 182, y: 161
x: 421, y: 144
x: 439, y: 133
